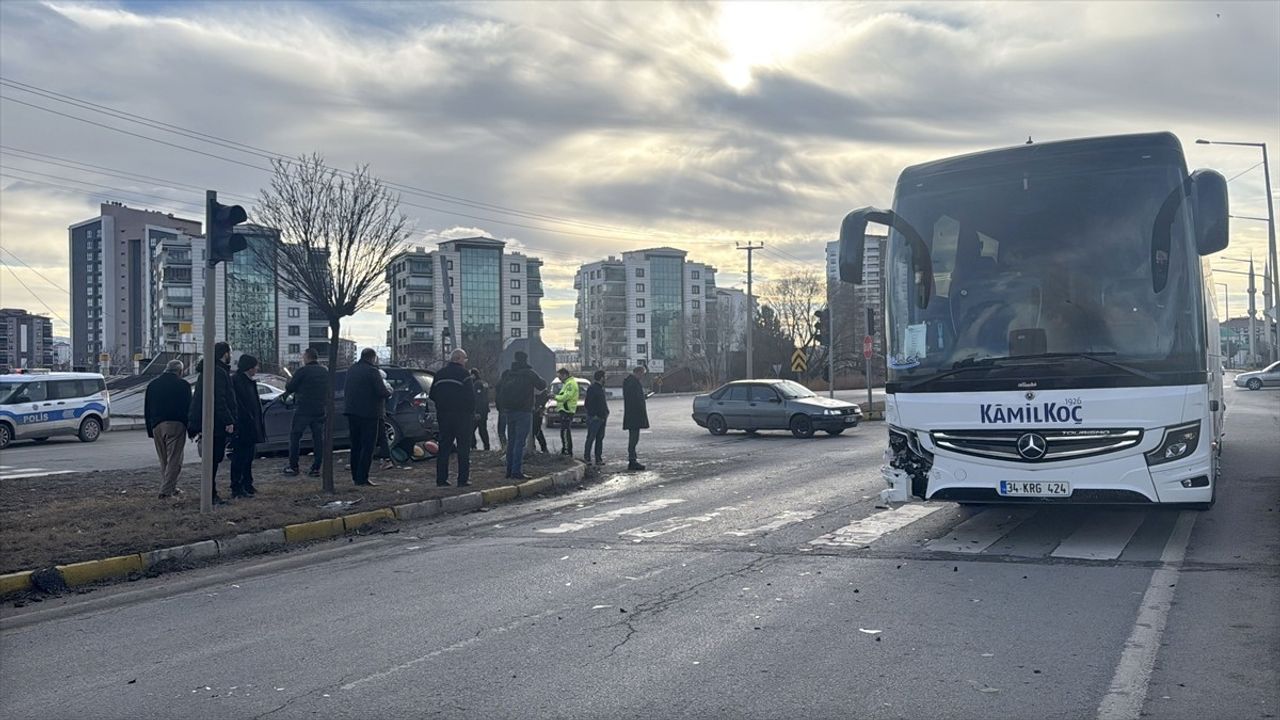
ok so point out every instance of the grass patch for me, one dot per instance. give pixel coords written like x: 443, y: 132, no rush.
x: 85, y: 516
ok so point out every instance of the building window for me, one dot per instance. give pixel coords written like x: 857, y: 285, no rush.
x: 696, y: 275
x: 696, y: 304
x: 515, y: 316
x: 697, y: 289
x: 642, y: 348
x: 639, y: 302
x: 639, y: 318
x: 295, y: 331
x: 639, y: 272
x: 515, y: 268
x: 697, y: 349
x: 294, y: 348
x: 640, y: 333
x: 449, y: 264
x: 295, y: 312
x: 515, y: 299
x: 515, y: 332
x: 515, y: 284
x: 639, y: 287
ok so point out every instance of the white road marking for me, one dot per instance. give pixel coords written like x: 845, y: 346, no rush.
x: 594, y: 520
x: 872, y: 528
x: 781, y: 520
x: 1128, y: 692
x: 1102, y: 537
x: 980, y: 531
x: 8, y: 472
x: 670, y: 525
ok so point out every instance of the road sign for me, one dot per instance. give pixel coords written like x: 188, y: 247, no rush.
x: 104, y: 357
x: 868, y: 346
x: 799, y: 363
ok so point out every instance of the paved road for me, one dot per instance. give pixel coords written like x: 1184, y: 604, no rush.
x: 131, y: 449
x: 738, y: 577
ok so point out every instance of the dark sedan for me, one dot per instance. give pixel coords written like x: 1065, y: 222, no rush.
x: 410, y: 415
x: 753, y: 405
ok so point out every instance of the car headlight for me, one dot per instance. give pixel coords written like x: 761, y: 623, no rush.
x: 830, y: 412
x: 1179, y: 442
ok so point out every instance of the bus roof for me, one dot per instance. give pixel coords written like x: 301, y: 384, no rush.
x: 1159, y: 141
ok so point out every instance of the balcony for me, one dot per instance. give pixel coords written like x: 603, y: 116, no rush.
x: 419, y: 283
x: 422, y: 302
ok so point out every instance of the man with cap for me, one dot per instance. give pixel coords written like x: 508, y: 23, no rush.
x: 516, y: 390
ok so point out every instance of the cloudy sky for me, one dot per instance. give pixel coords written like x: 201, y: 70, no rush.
x: 578, y: 130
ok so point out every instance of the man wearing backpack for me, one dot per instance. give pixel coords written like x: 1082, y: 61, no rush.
x: 516, y: 390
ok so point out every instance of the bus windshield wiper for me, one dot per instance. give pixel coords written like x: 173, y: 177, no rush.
x: 1092, y: 357
x: 971, y: 363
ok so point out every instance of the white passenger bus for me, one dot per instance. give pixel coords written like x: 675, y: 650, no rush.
x: 1050, y: 328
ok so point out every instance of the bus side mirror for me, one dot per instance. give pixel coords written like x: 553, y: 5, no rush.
x: 1211, y: 211
x: 853, y: 241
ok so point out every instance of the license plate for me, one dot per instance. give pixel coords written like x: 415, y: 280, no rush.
x: 850, y: 419
x: 1035, y: 488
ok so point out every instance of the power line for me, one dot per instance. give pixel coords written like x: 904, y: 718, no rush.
x: 37, y: 272
x: 272, y: 155
x: 1251, y: 169
x: 33, y: 294
x: 101, y: 170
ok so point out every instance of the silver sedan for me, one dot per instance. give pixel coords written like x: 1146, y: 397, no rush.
x: 754, y: 405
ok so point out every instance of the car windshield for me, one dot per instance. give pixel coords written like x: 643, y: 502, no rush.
x: 793, y: 390
x: 1068, y: 259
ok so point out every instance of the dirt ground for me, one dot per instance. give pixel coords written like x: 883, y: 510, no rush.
x: 83, y: 516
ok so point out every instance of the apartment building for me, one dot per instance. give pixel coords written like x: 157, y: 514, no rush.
x: 648, y: 307
x: 469, y: 292
x: 26, y: 340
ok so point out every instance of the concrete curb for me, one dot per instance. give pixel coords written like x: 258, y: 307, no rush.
x: 90, y: 571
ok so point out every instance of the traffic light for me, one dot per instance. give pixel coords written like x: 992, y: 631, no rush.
x: 822, y: 326
x: 224, y: 242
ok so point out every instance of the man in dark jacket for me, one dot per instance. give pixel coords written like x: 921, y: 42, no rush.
x: 597, y: 415
x: 635, y: 416
x: 224, y: 407
x: 168, y: 400
x: 364, y: 403
x: 517, y: 388
x: 250, y: 429
x: 308, y: 387
x: 454, y: 395
x: 482, y: 411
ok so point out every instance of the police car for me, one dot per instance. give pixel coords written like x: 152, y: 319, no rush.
x: 39, y: 406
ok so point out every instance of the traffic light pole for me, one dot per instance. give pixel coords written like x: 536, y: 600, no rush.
x: 206, y: 374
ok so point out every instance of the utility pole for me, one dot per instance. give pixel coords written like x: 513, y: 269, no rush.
x: 750, y: 249
x: 1274, y: 340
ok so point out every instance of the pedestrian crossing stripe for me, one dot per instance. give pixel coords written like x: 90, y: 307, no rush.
x: 8, y: 472
x: 1028, y: 532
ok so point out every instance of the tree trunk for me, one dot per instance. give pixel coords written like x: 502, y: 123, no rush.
x: 330, y: 408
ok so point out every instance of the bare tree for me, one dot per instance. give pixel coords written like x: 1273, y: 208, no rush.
x: 795, y: 298
x: 338, y: 233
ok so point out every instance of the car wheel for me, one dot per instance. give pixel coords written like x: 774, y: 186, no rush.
x: 394, y: 436
x: 835, y: 432
x: 6, y: 436
x: 40, y: 439
x: 717, y: 425
x: 1254, y: 384
x: 801, y: 426
x: 90, y: 430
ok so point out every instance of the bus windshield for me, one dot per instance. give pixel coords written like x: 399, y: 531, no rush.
x: 1062, y: 271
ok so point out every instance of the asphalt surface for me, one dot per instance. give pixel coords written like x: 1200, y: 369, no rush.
x: 737, y: 577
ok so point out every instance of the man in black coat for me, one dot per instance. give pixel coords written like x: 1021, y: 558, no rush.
x: 635, y: 416
x: 516, y: 390
x: 597, y: 417
x: 482, y: 410
x: 364, y: 403
x: 308, y: 387
x: 454, y: 395
x: 224, y: 407
x: 168, y: 400
x: 250, y: 429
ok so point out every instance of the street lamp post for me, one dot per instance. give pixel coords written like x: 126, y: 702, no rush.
x: 1274, y: 286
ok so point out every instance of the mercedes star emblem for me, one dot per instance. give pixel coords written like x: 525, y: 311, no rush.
x: 1032, y: 446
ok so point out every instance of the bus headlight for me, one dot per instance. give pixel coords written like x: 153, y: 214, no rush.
x: 1180, y: 441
